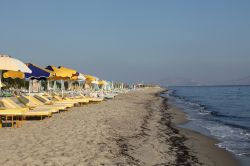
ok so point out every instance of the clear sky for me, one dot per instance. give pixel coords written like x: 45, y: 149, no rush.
x: 132, y: 40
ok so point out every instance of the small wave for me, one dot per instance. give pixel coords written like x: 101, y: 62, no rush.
x: 215, y: 113
x: 220, y: 145
x: 194, y: 104
x: 205, y: 113
x: 189, y: 118
x: 174, y: 94
x: 171, y: 92
x: 234, y: 148
x: 238, y: 126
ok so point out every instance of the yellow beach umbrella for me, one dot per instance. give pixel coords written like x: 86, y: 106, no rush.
x: 13, y: 74
x: 102, y: 82
x: 62, y: 73
x: 59, y: 73
x: 91, y: 80
x: 89, y: 77
x: 68, y: 71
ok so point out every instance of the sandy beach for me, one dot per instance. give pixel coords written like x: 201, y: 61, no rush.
x: 136, y: 128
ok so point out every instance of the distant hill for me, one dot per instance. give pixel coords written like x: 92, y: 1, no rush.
x: 241, y: 81
x: 187, y: 82
x: 181, y: 82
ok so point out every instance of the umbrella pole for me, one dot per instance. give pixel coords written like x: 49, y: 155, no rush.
x: 29, y: 86
x: 54, y: 86
x: 62, y: 86
x: 29, y: 89
x: 39, y: 86
x: 0, y: 82
x: 48, y: 85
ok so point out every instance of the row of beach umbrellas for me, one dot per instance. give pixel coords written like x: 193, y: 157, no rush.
x: 17, y: 69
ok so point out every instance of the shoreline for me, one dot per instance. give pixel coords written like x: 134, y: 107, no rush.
x: 203, y: 146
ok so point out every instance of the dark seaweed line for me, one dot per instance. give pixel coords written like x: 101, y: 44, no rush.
x: 183, y: 156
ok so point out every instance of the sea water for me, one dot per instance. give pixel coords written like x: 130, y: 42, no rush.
x: 222, y: 112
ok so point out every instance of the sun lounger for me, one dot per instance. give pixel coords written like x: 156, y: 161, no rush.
x: 13, y: 116
x: 32, y: 102
x: 77, y: 99
x: 41, y: 104
x: 92, y: 99
x: 27, y: 112
x: 47, y: 101
x: 57, y: 98
x: 70, y: 99
x: 14, y: 113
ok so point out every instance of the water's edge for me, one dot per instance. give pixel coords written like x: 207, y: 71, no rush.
x: 180, y: 120
x: 196, y: 122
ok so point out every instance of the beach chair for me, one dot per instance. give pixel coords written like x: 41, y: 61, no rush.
x: 48, y: 101
x: 13, y: 113
x: 79, y: 99
x: 66, y: 100
x: 9, y: 103
x: 31, y: 101
x: 75, y: 98
x: 92, y: 99
x: 11, y: 116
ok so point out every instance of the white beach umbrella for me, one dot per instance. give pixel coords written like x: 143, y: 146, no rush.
x: 9, y: 63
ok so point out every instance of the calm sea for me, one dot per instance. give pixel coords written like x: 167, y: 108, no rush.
x: 222, y: 112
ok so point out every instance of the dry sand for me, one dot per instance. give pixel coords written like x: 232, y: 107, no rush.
x: 133, y: 129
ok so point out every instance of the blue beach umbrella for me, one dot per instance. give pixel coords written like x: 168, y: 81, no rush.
x: 37, y: 72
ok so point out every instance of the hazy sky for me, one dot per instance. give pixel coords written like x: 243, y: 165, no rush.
x: 132, y: 40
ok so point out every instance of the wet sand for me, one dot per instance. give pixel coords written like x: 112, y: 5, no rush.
x: 202, y: 146
x: 136, y: 128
